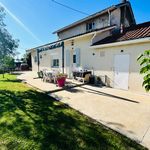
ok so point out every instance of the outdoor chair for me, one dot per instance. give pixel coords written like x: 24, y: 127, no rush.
x: 44, y: 75
x: 40, y: 74
x: 55, y: 73
x: 50, y: 77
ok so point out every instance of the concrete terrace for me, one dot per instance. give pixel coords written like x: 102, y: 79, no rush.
x: 124, y: 111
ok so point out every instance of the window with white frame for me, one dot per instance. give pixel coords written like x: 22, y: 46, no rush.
x: 55, y: 63
x: 90, y: 26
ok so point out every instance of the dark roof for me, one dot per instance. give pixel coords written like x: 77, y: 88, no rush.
x: 131, y: 33
x: 96, y: 15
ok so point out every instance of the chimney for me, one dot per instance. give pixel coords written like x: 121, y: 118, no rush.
x: 123, y: 1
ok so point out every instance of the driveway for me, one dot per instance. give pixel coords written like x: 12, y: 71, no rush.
x: 124, y: 111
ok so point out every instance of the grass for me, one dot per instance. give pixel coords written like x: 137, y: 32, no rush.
x: 32, y: 120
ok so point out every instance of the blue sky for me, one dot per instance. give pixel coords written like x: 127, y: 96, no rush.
x: 33, y: 21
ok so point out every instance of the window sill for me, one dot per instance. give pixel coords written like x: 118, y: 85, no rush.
x: 54, y: 66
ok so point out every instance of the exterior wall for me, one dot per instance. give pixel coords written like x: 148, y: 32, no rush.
x: 48, y: 56
x: 100, y: 22
x: 34, y: 64
x: 116, y: 17
x: 101, y: 36
x: 93, y: 60
x: 79, y: 29
x: 83, y: 44
x: 104, y: 65
x: 73, y: 31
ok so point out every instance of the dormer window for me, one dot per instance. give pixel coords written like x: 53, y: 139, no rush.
x: 90, y: 26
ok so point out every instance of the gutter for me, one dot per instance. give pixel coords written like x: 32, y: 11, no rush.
x: 129, y: 42
x: 95, y: 34
x: 109, y: 14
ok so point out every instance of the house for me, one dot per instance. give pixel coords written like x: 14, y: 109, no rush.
x: 107, y: 42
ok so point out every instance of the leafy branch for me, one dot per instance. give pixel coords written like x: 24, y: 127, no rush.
x: 144, y: 61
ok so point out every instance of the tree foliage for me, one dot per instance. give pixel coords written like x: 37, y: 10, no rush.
x: 27, y: 59
x: 9, y: 62
x: 144, y: 60
x: 8, y: 45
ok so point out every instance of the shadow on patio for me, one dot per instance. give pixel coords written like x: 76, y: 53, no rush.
x: 80, y: 88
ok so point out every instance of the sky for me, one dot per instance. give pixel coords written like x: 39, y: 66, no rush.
x: 34, y: 21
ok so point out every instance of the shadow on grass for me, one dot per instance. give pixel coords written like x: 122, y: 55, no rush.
x: 16, y: 73
x: 8, y: 80
x: 33, y: 120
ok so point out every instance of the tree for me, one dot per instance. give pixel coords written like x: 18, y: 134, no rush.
x: 9, y: 62
x: 144, y: 60
x: 27, y: 59
x: 8, y: 45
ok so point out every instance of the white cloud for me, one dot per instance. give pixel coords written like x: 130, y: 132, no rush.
x: 20, y: 23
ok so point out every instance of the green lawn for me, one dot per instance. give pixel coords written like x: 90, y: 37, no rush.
x: 31, y: 120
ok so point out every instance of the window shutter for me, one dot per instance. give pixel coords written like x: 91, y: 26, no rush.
x: 67, y: 58
x: 77, y: 51
x: 51, y: 61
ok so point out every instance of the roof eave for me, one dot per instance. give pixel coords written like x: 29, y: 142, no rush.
x: 128, y: 42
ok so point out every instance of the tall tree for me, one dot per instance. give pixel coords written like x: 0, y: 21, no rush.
x: 144, y: 60
x: 8, y: 45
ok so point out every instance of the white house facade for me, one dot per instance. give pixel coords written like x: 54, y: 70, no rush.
x: 107, y: 43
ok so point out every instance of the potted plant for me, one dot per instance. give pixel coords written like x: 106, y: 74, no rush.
x: 61, y: 79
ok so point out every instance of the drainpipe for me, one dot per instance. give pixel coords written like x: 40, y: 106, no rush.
x: 38, y: 60
x: 109, y: 21
x: 62, y: 57
x: 93, y: 37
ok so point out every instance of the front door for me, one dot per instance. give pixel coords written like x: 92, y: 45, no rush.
x: 68, y: 63
x: 76, y: 59
x: 121, y: 71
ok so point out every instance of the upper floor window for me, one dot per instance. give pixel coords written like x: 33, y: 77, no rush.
x: 90, y: 26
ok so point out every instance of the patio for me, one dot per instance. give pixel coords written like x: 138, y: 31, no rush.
x: 124, y: 111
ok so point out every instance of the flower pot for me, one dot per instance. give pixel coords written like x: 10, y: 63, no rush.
x: 61, y: 81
